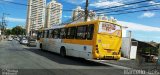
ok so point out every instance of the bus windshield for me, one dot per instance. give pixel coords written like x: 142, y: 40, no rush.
x: 109, y: 28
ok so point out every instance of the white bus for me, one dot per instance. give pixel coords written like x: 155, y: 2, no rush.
x: 97, y: 39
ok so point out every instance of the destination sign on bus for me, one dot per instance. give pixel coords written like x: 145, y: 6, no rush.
x: 108, y: 27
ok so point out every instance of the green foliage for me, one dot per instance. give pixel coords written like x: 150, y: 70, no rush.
x: 158, y: 49
x: 152, y: 50
x: 18, y: 30
x: 8, y: 31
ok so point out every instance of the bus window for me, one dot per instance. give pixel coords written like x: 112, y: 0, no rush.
x: 71, y: 33
x: 43, y: 34
x: 38, y: 35
x: 47, y: 35
x: 90, y: 32
x: 56, y: 33
x: 66, y: 31
x: 81, y: 32
x: 62, y: 33
x: 50, y: 33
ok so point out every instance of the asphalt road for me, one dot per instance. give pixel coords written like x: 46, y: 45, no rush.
x: 31, y: 61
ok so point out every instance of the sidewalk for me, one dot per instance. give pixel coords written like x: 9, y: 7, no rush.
x: 135, y: 64
x: 1, y: 37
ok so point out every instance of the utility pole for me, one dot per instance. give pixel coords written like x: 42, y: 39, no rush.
x: 86, y: 10
x: 130, y: 41
x: 3, y: 24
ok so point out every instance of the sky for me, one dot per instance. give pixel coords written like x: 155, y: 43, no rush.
x: 145, y: 26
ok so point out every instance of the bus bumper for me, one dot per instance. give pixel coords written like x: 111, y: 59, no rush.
x: 109, y: 57
x: 115, y: 57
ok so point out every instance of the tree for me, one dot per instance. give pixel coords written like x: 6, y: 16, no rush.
x: 8, y: 31
x: 18, y: 30
x: 158, y: 46
x: 151, y: 50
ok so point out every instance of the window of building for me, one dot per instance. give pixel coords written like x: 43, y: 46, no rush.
x: 81, y: 32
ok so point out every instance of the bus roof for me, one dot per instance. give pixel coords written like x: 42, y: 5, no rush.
x: 80, y: 23
x: 55, y: 27
x: 91, y: 22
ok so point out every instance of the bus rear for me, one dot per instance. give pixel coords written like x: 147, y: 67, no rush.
x: 108, y: 41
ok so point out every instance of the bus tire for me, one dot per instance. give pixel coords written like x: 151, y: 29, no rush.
x: 63, y: 51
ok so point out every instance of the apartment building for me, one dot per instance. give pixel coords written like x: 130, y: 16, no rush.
x: 53, y: 14
x: 35, y: 15
x: 79, y: 14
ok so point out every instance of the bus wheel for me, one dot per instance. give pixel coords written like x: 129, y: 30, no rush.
x: 63, y: 51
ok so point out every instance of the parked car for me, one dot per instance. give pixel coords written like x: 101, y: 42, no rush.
x: 32, y: 42
x: 21, y: 38
x: 17, y: 38
x: 10, y: 38
x: 24, y: 41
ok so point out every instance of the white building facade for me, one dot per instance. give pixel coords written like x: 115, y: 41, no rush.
x: 79, y: 14
x: 53, y: 14
x: 35, y: 15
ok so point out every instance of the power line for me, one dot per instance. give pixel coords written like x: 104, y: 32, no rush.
x: 14, y: 2
x: 135, y: 11
x: 124, y: 5
x: 60, y: 9
x: 30, y: 5
x: 131, y: 8
x: 104, y: 8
